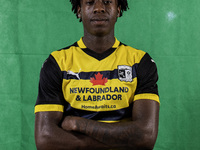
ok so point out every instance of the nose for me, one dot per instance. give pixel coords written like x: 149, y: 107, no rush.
x: 99, y: 7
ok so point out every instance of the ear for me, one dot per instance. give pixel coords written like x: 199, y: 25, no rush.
x: 78, y: 11
x: 119, y: 11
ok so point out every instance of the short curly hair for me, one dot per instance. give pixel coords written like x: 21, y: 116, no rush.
x: 122, y: 3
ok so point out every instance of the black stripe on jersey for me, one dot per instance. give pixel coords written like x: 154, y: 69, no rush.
x: 65, y: 48
x: 100, y: 115
x: 86, y: 75
x: 50, y: 85
x: 147, y: 76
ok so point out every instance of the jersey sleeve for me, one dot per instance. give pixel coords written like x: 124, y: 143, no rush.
x: 147, y: 78
x: 50, y: 96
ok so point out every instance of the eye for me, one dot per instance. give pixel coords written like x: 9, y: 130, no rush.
x: 90, y: 2
x: 107, y: 2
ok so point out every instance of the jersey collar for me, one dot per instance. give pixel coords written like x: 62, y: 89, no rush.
x: 82, y: 45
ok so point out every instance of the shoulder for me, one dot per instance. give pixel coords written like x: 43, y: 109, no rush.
x: 65, y: 54
x: 61, y: 52
x: 131, y: 52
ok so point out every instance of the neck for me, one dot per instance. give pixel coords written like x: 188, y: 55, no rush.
x: 99, y: 44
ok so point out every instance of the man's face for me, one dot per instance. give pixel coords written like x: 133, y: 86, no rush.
x: 98, y: 16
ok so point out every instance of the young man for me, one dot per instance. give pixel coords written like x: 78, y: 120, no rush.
x: 97, y: 93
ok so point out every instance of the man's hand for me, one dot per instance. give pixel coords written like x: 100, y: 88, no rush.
x: 70, y: 123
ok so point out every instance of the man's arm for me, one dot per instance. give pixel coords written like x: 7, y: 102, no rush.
x: 48, y: 132
x: 50, y: 136
x: 140, y: 133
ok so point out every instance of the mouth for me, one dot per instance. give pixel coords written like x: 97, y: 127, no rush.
x: 99, y: 20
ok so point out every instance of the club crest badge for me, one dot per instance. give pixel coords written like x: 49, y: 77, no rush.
x: 125, y: 73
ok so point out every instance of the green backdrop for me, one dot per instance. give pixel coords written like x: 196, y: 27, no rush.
x: 169, y: 30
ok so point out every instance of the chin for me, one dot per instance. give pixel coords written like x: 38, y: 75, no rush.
x: 100, y: 32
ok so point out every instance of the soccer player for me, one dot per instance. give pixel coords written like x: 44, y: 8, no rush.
x: 97, y: 93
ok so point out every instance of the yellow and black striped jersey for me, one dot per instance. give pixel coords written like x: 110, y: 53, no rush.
x: 77, y: 81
